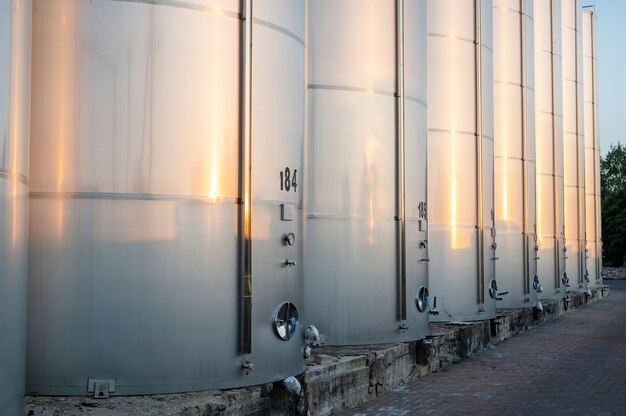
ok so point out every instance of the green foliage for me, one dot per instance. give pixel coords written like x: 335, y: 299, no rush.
x: 613, y: 196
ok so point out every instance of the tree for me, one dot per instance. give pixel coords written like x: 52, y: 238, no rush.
x: 613, y: 199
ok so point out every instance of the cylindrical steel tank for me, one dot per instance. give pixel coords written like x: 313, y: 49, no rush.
x: 15, y: 30
x: 592, y: 150
x: 161, y: 257
x: 514, y: 118
x: 460, y: 159
x: 367, y: 249
x: 573, y: 145
x: 549, y: 148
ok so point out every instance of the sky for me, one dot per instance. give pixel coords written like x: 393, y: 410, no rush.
x: 611, y: 71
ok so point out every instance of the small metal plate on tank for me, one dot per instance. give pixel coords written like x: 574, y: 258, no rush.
x: 100, y: 387
x: 286, y: 212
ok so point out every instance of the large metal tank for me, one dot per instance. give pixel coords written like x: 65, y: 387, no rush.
x: 573, y: 145
x: 367, y: 249
x: 549, y: 148
x: 514, y: 117
x: 592, y: 150
x: 15, y: 27
x: 159, y: 259
x: 460, y: 159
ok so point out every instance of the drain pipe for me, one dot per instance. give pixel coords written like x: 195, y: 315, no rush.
x: 479, y: 150
x: 244, y: 200
x: 400, y: 164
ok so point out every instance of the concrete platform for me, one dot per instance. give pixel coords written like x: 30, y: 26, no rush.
x: 337, y: 378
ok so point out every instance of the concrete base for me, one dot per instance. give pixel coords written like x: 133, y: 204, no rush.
x: 337, y: 378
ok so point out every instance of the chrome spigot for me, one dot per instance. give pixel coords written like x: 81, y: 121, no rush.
x: 434, y: 310
x: 247, y: 366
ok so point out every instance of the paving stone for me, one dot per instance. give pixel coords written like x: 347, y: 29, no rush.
x: 572, y: 365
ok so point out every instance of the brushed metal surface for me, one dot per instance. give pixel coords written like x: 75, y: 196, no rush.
x: 136, y: 127
x: 549, y: 152
x: 352, y: 285
x: 514, y: 116
x: 573, y: 144
x: 15, y: 33
x: 460, y: 158
x: 592, y: 149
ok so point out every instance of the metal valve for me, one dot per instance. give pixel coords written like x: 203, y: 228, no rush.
x: 427, y: 259
x: 289, y: 239
x: 434, y: 310
x: 247, y: 366
x: 289, y: 263
x: 536, y: 285
x: 493, y: 291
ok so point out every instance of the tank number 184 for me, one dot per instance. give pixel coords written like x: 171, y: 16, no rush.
x: 288, y: 180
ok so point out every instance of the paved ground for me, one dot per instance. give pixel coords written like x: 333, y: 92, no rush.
x: 575, y: 365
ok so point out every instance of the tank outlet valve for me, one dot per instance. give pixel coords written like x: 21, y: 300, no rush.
x: 423, y: 243
x: 312, y: 336
x: 565, y: 279
x: 434, y: 310
x: 587, y: 279
x: 247, y: 366
x: 427, y: 259
x: 493, y: 289
x: 289, y: 263
x: 403, y: 326
x: 494, y: 246
x: 536, y: 285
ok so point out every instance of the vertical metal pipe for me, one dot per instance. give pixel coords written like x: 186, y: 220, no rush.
x: 245, y: 180
x: 479, y: 148
x: 557, y: 268
x: 400, y: 160
x: 596, y: 149
x: 524, y: 98
x: 580, y: 172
